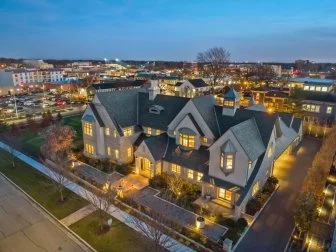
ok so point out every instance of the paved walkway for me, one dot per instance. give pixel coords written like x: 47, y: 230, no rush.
x: 147, y: 197
x: 97, y: 175
x: 78, y: 215
x: 113, y: 211
x: 271, y: 231
x: 24, y: 227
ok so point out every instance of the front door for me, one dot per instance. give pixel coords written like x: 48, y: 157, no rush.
x: 145, y: 167
x: 224, y: 195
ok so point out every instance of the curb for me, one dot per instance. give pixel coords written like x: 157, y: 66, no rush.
x: 75, y: 237
x: 255, y: 218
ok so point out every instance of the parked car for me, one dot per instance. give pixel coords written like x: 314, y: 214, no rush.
x: 60, y: 103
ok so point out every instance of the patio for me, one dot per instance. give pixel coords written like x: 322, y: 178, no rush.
x: 216, y: 206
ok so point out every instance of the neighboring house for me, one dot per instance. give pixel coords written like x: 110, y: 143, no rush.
x: 191, y: 88
x: 115, y: 85
x: 274, y: 99
x: 228, y: 151
x: 319, y: 108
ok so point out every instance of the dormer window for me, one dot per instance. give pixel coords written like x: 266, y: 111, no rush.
x: 156, y: 109
x: 204, y: 140
x: 249, y: 165
x: 149, y: 131
x: 228, y: 103
x: 187, y: 140
x: 227, y: 157
x: 128, y: 131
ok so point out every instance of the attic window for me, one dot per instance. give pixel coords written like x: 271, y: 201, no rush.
x: 156, y: 109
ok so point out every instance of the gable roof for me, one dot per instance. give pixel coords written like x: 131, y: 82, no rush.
x: 228, y: 147
x: 172, y: 105
x: 192, y: 119
x: 264, y: 121
x: 157, y: 145
x: 205, y: 106
x: 248, y: 136
x: 296, y: 124
x: 232, y: 94
x: 119, y: 84
x: 287, y: 118
x: 121, y: 105
x: 96, y: 114
x: 198, y: 83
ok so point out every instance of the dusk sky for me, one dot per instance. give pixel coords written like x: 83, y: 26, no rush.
x: 252, y: 30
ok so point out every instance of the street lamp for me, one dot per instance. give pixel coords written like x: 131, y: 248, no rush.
x: 16, y: 111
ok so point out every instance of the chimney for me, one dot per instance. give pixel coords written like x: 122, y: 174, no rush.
x: 154, y: 89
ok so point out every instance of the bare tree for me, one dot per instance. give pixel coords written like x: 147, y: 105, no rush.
x: 214, y: 61
x: 153, y: 230
x: 102, y: 200
x: 9, y: 135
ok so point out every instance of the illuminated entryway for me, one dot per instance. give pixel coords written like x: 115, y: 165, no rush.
x: 225, y: 195
x: 145, y: 168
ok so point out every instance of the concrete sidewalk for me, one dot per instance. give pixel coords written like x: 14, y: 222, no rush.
x: 120, y: 215
x: 78, y: 215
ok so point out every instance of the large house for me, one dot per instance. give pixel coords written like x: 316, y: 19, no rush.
x: 228, y: 151
x: 191, y: 88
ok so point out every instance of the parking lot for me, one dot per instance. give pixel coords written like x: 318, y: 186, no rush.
x: 19, y: 106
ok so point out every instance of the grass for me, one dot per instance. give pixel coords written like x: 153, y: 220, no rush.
x: 119, y: 238
x: 40, y: 187
x: 31, y: 142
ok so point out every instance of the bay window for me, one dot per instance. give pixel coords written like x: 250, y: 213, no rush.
x: 187, y: 140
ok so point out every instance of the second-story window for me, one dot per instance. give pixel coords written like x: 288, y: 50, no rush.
x: 250, y: 164
x: 176, y: 168
x: 149, y: 131
x: 107, y: 131
x: 114, y: 133
x: 187, y: 140
x: 158, y: 132
x: 227, y: 161
x: 128, y: 131
x: 88, y: 128
x: 190, y: 174
x: 329, y: 110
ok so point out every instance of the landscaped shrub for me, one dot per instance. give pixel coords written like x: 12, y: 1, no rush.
x: 228, y: 222
x: 159, y: 182
x: 241, y: 224
x: 256, y: 203
x: 124, y: 169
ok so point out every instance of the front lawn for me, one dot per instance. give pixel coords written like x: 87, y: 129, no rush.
x: 119, y: 238
x: 40, y: 187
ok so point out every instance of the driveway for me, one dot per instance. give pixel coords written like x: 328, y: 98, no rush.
x: 24, y: 227
x: 272, y: 229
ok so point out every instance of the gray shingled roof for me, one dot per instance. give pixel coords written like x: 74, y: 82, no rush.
x: 96, y: 114
x: 205, y: 106
x: 172, y: 106
x: 196, y: 160
x: 232, y: 94
x: 121, y: 105
x: 265, y: 121
x: 157, y: 145
x: 296, y: 124
x: 249, y: 138
x: 286, y: 118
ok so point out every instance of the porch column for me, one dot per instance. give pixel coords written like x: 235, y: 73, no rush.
x: 137, y: 165
x: 152, y: 169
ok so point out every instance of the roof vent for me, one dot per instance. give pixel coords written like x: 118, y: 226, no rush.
x: 156, y: 109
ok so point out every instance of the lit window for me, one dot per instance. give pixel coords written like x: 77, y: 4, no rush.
x: 318, y: 89
x: 114, y: 133
x: 199, y: 176
x: 312, y: 88
x: 128, y: 132
x: 88, y: 128
x: 224, y: 194
x: 187, y: 140
x: 158, y: 132
x: 229, y: 162
x: 255, y: 188
x: 324, y: 89
x: 129, y: 152
x: 176, y: 168
x: 108, y: 150
x: 89, y: 148
x: 116, y: 153
x: 190, y: 174
x: 107, y: 131
x: 270, y: 151
x: 306, y: 88
x: 149, y: 131
x: 250, y: 164
x: 174, y: 132
x: 205, y: 140
x: 228, y: 103
x: 329, y: 110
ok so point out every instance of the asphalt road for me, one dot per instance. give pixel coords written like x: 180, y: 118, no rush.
x: 24, y: 227
x: 271, y: 231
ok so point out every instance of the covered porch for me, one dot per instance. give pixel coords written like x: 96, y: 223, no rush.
x: 147, y: 167
x: 216, y: 206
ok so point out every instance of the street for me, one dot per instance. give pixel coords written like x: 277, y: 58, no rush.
x: 272, y: 229
x: 24, y: 227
